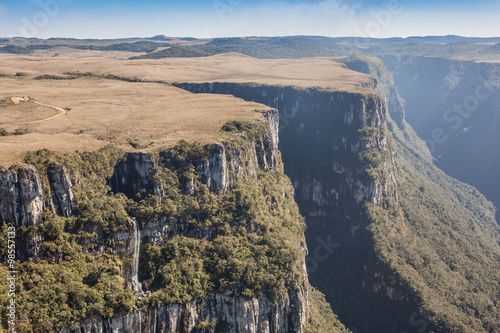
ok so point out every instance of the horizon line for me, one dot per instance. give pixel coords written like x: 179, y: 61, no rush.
x: 259, y: 36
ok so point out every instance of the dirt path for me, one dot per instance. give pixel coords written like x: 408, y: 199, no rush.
x: 61, y: 112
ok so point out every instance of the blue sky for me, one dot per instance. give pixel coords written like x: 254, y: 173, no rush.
x: 226, y: 18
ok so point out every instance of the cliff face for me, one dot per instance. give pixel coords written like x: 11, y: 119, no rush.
x: 458, y: 118
x: 465, y: 214
x: 62, y: 199
x: 218, y: 312
x: 21, y: 195
x: 329, y: 123
x: 219, y: 168
x: 384, y: 83
x: 338, y: 153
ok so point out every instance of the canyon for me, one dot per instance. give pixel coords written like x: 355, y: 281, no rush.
x: 394, y: 243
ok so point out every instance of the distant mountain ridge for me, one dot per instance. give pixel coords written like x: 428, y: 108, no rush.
x: 269, y: 47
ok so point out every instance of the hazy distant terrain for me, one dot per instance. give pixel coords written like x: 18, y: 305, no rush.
x: 266, y: 47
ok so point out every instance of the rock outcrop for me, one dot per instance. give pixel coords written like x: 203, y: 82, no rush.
x: 132, y: 239
x: 326, y: 125
x: 22, y: 199
x: 225, y: 312
x: 223, y: 165
x: 62, y: 195
x: 337, y: 151
x: 27, y: 192
x: 132, y: 175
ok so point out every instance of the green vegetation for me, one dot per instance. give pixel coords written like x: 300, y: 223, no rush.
x: 77, y: 274
x: 14, y: 49
x: 21, y: 131
x: 76, y: 75
x: 258, y: 230
x: 52, y: 296
x: 274, y: 48
x: 373, y: 158
x: 54, y: 77
x: 176, y: 52
x: 17, y: 131
x: 138, y: 46
x: 321, y: 317
x: 252, y: 129
x: 442, y: 241
x: 64, y: 284
x: 256, y: 248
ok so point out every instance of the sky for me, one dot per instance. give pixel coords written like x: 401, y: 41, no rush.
x: 233, y: 18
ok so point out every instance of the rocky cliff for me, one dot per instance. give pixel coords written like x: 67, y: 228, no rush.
x: 384, y: 83
x: 21, y: 194
x: 339, y: 155
x: 464, y: 216
x: 204, y: 238
x: 218, y: 170
x: 336, y: 122
x: 458, y: 118
x: 125, y: 207
x: 220, y: 312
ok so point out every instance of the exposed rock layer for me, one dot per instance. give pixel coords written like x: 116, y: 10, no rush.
x: 24, y: 196
x: 217, y: 313
x: 324, y: 142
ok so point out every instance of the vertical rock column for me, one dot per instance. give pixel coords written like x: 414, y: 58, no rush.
x: 21, y: 199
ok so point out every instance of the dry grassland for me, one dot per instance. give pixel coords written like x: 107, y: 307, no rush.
x: 143, y: 116
x: 230, y: 67
x: 148, y: 115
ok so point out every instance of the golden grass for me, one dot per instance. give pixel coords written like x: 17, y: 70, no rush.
x: 64, y: 51
x: 150, y: 116
x: 229, y: 67
x: 18, y: 115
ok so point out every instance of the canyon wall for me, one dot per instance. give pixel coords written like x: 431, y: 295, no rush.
x: 31, y: 196
x: 454, y: 106
x: 338, y: 153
